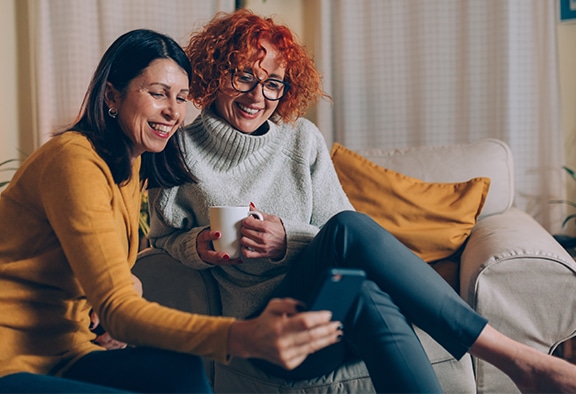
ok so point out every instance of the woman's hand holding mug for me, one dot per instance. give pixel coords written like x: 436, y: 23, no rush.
x: 236, y: 231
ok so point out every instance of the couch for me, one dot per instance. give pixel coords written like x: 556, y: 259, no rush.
x: 509, y: 269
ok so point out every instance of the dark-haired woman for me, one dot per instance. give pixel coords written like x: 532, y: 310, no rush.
x: 69, y: 236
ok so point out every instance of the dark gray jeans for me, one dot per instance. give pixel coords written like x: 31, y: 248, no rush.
x: 400, y: 290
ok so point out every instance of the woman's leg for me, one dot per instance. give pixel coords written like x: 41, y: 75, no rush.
x: 401, y: 290
x: 144, y: 370
x: 354, y: 240
x: 25, y: 382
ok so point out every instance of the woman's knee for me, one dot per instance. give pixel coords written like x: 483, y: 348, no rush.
x: 347, y: 222
x: 351, y: 226
x: 347, y: 218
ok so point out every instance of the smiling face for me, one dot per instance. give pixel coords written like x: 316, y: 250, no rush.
x: 248, y: 111
x: 153, y: 105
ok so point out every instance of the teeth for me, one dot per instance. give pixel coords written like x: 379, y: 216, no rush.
x: 251, y: 111
x: 161, y: 128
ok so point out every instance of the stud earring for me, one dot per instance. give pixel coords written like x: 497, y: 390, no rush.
x: 113, y: 113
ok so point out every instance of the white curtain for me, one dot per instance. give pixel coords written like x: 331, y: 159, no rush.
x: 70, y: 36
x: 419, y: 72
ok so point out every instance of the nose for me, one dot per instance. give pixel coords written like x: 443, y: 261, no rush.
x: 257, y: 92
x: 172, y: 110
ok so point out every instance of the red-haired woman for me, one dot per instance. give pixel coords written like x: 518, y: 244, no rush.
x: 253, y: 83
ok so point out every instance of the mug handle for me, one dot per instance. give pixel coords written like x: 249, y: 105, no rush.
x: 256, y: 214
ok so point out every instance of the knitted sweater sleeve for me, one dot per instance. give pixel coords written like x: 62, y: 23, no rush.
x: 179, y: 236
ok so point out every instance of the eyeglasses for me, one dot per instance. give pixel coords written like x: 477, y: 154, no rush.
x: 272, y: 89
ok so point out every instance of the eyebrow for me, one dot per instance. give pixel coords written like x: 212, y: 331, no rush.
x: 270, y: 76
x: 167, y: 87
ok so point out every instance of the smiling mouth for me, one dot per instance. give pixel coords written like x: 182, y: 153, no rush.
x: 161, y: 129
x: 248, y: 110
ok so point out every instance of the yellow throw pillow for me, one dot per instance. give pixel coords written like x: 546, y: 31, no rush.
x: 432, y: 219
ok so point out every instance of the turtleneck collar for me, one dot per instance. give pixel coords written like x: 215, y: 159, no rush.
x: 226, y: 147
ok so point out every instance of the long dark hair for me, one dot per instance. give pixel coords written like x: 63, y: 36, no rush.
x: 123, y: 61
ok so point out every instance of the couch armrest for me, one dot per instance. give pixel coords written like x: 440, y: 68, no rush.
x: 514, y: 273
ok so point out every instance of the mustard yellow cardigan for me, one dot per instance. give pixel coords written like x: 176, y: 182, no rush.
x: 68, y: 238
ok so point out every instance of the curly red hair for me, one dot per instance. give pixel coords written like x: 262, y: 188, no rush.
x: 231, y: 41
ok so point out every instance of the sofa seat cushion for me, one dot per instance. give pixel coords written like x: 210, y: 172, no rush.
x: 241, y: 376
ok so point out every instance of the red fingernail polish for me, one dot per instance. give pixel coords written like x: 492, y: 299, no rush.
x: 226, y: 257
x: 217, y: 234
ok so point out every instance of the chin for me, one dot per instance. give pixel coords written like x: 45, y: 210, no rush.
x: 159, y: 149
x: 155, y: 148
x: 248, y: 129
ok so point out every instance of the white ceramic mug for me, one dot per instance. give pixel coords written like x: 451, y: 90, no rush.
x: 227, y: 220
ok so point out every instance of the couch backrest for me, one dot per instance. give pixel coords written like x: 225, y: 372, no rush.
x: 456, y: 163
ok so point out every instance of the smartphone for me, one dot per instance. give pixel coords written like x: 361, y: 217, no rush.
x: 336, y: 291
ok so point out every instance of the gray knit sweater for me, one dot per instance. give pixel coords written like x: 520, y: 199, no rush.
x: 286, y: 172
